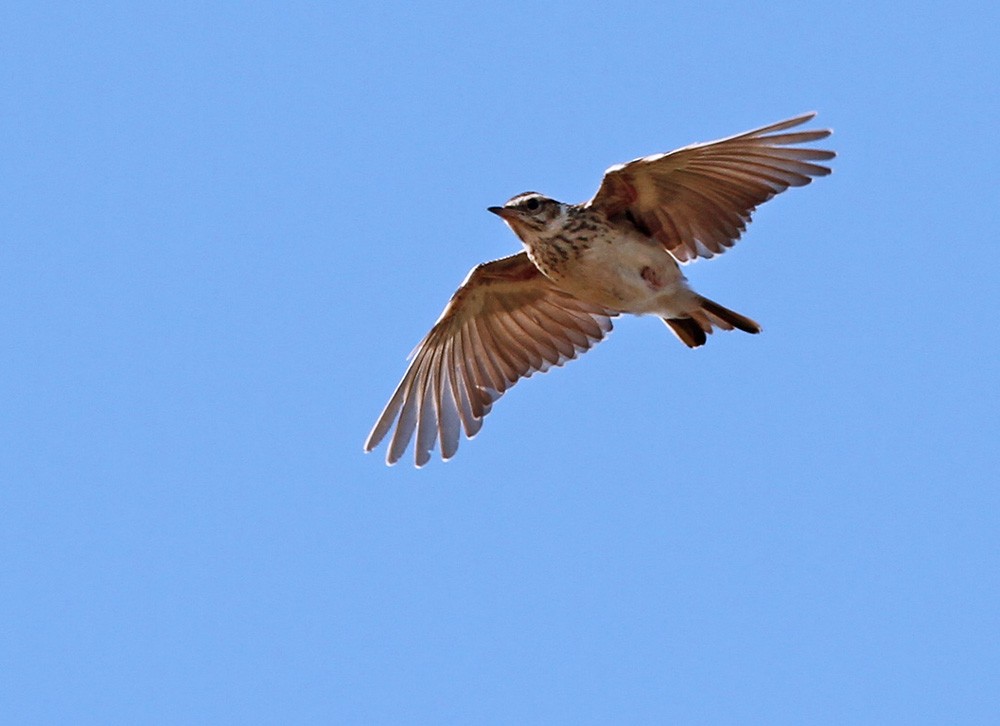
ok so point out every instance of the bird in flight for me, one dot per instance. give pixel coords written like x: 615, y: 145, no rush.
x: 584, y: 264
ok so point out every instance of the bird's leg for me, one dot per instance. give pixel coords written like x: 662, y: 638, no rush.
x: 652, y: 278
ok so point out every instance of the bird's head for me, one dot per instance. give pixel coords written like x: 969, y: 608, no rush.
x: 531, y: 215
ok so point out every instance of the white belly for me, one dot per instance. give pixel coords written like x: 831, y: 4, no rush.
x: 630, y: 275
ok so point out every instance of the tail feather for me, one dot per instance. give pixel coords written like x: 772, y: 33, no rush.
x: 692, y: 330
x: 687, y: 330
x: 730, y: 318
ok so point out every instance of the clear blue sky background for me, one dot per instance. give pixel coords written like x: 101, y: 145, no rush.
x: 224, y: 227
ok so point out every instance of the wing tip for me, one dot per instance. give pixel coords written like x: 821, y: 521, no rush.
x: 372, y: 442
x: 790, y: 123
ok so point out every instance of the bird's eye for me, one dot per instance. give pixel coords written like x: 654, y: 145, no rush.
x: 532, y: 204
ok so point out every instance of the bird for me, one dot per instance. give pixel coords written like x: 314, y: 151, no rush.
x: 584, y: 264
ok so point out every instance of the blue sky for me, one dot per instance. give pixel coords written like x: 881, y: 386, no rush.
x: 225, y: 227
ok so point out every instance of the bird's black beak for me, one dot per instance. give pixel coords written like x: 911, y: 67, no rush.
x: 500, y: 212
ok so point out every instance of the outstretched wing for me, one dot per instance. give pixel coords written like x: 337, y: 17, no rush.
x: 505, y: 322
x: 698, y: 200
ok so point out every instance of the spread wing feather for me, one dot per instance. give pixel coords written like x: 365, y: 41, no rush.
x: 698, y: 200
x: 504, y: 323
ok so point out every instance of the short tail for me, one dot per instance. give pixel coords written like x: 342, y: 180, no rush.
x: 700, y: 322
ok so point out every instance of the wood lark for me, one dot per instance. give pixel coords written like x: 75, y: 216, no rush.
x: 582, y: 265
